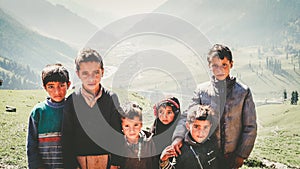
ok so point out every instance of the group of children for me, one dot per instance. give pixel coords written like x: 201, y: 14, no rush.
x: 58, y: 137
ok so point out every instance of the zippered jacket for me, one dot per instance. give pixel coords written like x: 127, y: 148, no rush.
x: 237, y: 130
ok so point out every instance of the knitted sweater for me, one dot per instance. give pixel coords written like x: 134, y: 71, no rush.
x: 78, y: 117
x: 44, y: 135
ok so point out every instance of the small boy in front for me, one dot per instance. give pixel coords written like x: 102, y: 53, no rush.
x: 139, y: 150
x: 44, y: 128
x: 198, y: 149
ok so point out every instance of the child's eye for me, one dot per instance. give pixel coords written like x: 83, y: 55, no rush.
x: 214, y: 66
x: 196, y: 126
x: 84, y: 73
x: 136, y: 125
x: 206, y: 127
x: 225, y: 65
x: 63, y: 85
x: 50, y: 87
x: 169, y: 113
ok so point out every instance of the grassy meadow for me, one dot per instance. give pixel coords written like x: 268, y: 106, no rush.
x: 278, y: 134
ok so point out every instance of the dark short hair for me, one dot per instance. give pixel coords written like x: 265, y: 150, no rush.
x: 200, y: 112
x: 55, y: 73
x: 88, y: 55
x: 131, y: 110
x: 220, y: 51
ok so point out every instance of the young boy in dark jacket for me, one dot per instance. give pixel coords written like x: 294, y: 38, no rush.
x: 199, y: 150
x: 90, y: 111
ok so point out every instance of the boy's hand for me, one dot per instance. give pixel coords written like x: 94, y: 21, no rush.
x: 177, y: 143
x: 238, y: 162
x: 167, y: 153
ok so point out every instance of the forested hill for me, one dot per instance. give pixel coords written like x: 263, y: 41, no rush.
x: 17, y: 76
x: 25, y: 46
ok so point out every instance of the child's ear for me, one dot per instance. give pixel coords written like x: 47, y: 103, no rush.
x: 187, y: 125
x: 231, y: 64
x: 77, y: 73
x: 68, y: 84
x: 102, y: 72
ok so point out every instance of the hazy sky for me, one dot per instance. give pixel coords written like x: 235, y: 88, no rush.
x: 101, y: 12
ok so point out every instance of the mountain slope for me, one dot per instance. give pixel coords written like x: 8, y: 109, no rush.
x: 30, y: 48
x: 53, y: 21
x: 244, y: 22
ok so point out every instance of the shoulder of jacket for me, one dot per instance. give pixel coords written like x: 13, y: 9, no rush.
x: 242, y: 86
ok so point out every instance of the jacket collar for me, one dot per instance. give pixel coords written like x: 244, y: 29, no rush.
x: 228, y: 82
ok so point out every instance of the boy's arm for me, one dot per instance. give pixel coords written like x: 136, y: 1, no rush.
x: 69, y: 156
x: 180, y: 129
x: 249, y: 132
x: 115, y: 118
x: 34, y: 159
x: 115, y: 161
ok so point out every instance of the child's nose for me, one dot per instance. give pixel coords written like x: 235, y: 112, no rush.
x: 57, y: 90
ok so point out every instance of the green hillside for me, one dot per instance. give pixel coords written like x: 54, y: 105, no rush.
x: 17, y: 76
x: 267, y: 84
x: 278, y: 135
x: 278, y: 139
x: 22, y: 45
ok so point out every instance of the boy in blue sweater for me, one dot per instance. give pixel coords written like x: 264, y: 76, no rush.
x: 44, y: 128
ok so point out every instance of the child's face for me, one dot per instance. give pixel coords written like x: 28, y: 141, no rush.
x: 220, y: 68
x: 131, y: 128
x: 57, y: 90
x: 166, y: 115
x: 90, y: 75
x: 199, y: 129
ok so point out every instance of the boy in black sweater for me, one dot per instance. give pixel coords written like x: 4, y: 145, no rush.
x: 91, y: 111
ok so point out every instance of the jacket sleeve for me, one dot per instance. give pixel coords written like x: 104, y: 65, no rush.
x: 115, y: 160
x: 34, y: 159
x: 180, y: 129
x: 249, y: 132
x: 115, y: 118
x: 69, y: 156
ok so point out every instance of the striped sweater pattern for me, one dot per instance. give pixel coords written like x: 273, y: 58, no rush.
x: 44, y: 136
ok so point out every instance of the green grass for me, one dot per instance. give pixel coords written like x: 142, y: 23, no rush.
x: 278, y: 133
x: 13, y: 125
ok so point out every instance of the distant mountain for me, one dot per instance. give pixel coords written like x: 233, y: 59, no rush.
x: 53, y: 21
x: 17, y: 76
x: 245, y: 22
x: 24, y: 46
